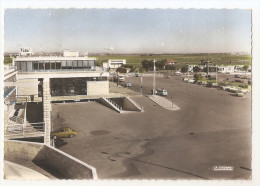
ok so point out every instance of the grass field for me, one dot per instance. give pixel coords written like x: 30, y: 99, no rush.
x: 220, y: 59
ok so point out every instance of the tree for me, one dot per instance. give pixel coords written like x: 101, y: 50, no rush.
x: 145, y: 64
x: 160, y: 64
x: 141, y: 70
x: 184, y: 69
x: 245, y: 68
x: 198, y: 77
x: 121, y: 70
x: 170, y: 67
x: 196, y: 69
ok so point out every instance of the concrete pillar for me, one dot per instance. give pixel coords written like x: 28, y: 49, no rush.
x: 46, y: 97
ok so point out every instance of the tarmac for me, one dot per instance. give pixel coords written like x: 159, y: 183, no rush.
x: 13, y: 171
x: 163, y: 102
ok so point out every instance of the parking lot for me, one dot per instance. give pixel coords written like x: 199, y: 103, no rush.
x: 212, y: 128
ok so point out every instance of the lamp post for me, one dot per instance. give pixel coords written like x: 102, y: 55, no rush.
x: 141, y: 84
x: 153, y: 76
x: 172, y: 101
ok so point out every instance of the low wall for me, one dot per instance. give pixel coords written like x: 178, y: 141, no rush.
x: 128, y: 105
x: 97, y: 87
x: 49, y: 158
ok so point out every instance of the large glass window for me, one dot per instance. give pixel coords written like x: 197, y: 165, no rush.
x: 18, y: 64
x: 41, y: 65
x: 58, y: 65
x: 36, y: 65
x: 80, y: 64
x: 29, y: 65
x: 23, y: 66
x: 47, y: 65
x: 75, y: 64
x: 52, y: 64
x: 69, y: 64
x: 56, y: 87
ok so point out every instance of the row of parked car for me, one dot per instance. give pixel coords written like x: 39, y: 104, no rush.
x: 237, y: 90
x: 242, y: 76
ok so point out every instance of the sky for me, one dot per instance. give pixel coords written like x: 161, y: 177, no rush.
x: 129, y: 30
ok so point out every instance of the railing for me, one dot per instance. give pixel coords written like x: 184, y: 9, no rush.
x: 28, y: 130
x: 115, y: 104
x: 17, y: 119
x: 66, y: 70
x: 28, y: 98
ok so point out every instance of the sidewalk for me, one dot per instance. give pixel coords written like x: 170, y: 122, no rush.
x: 13, y: 171
x: 163, y: 102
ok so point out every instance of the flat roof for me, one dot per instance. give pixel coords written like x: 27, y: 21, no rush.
x: 52, y: 58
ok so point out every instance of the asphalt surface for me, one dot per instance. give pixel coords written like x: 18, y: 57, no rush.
x: 212, y: 128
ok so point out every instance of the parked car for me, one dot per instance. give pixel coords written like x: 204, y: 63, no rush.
x: 128, y: 84
x: 121, y: 78
x: 240, y: 94
x: 177, y: 73
x: 162, y: 92
x: 65, y: 132
x: 214, y: 84
x: 185, y: 80
x: 225, y: 87
x: 191, y: 81
x: 153, y: 92
x: 137, y: 75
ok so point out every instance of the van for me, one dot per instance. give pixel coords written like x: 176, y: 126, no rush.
x: 162, y: 92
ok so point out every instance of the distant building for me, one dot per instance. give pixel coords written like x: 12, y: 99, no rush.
x: 26, y: 51
x: 206, y: 63
x: 113, y: 64
x: 69, y: 53
x: 171, y: 62
x: 226, y: 69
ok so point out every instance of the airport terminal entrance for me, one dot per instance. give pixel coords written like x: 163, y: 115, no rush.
x: 71, y: 86
x: 68, y: 86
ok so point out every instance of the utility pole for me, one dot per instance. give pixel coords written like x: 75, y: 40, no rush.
x: 188, y: 69
x: 141, y: 84
x: 117, y: 78
x: 172, y: 101
x: 208, y: 69
x: 153, y: 76
x: 216, y: 73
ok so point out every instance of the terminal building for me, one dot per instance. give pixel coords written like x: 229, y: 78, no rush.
x: 33, y: 83
x: 68, y: 75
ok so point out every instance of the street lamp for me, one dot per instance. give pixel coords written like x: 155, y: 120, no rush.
x: 141, y: 84
x: 154, y: 76
x: 172, y: 101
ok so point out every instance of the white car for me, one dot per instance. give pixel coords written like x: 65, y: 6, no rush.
x: 191, y: 81
x: 186, y: 80
x: 225, y: 87
x: 162, y: 92
x: 121, y: 78
x: 177, y: 73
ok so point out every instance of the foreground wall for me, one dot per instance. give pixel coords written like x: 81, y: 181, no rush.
x: 49, y: 157
x: 28, y: 87
x: 97, y: 87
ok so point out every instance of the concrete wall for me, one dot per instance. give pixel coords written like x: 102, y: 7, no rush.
x: 50, y: 158
x: 128, y: 105
x: 97, y: 87
x: 28, y: 90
